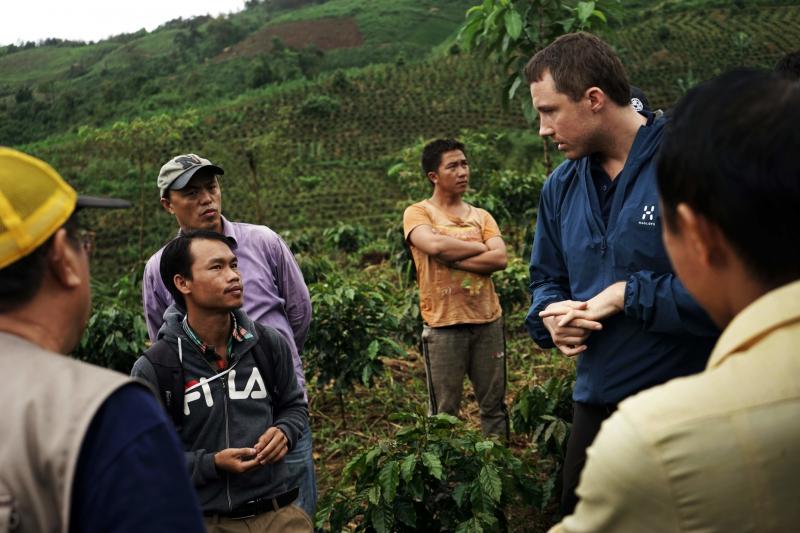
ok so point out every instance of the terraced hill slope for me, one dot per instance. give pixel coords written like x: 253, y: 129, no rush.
x: 309, y: 154
x: 57, y: 88
x: 303, y: 157
x: 666, y: 52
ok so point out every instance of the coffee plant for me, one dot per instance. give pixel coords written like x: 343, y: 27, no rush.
x: 435, y: 475
x: 543, y: 411
x: 116, y: 332
x: 352, y: 329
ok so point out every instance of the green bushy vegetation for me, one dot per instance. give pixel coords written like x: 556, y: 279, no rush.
x: 354, y: 326
x: 285, y: 165
x: 186, y: 62
x: 432, y: 476
x: 116, y: 333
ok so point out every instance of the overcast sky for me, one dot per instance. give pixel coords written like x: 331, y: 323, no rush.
x: 92, y: 20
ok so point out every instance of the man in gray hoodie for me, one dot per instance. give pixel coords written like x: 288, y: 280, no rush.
x: 229, y: 385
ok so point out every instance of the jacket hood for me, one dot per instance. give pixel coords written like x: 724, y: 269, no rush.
x: 172, y: 328
x: 648, y: 138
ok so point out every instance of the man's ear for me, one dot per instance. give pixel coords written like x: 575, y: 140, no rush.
x: 167, y: 205
x: 596, y: 97
x: 433, y: 177
x: 704, y: 239
x: 64, y: 261
x: 182, y: 284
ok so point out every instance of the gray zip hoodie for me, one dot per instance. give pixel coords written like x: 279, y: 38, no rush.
x: 232, y: 409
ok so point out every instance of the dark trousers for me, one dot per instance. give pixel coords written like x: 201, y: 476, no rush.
x: 474, y: 350
x: 586, y: 421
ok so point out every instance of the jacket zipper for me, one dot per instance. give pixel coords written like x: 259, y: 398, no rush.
x: 227, y: 443
x: 603, y: 246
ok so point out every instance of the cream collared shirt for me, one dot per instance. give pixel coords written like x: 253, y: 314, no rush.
x: 714, y: 452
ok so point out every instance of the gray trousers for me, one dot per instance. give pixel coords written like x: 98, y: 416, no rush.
x: 475, y: 350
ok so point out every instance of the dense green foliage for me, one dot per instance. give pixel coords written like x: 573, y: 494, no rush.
x: 353, y: 326
x: 511, y: 34
x: 433, y: 476
x: 543, y: 412
x: 116, y: 333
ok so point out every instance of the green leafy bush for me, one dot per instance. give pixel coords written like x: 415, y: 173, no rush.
x: 315, y: 268
x: 435, y: 476
x: 346, y: 237
x: 543, y: 412
x: 116, y: 333
x: 515, y: 194
x: 303, y: 241
x: 352, y: 328
x: 511, y: 286
x: 319, y: 106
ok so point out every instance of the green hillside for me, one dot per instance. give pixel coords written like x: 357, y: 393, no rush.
x: 58, y: 87
x: 298, y: 158
x: 306, y: 154
x: 669, y: 49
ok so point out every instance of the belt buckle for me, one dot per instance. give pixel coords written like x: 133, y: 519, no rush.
x: 249, y: 513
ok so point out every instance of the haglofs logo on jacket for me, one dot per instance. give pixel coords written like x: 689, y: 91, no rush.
x: 648, y: 216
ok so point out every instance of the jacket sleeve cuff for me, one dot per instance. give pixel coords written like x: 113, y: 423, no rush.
x: 208, y: 471
x: 291, y: 436
x: 631, y: 305
x: 535, y: 326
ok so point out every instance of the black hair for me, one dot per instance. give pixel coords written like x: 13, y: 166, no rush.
x: 789, y: 66
x: 729, y: 153
x: 432, y: 153
x: 21, y: 280
x: 177, y: 259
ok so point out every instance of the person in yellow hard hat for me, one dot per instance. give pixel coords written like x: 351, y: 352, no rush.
x: 83, y: 448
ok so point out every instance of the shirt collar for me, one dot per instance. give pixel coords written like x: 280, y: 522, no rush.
x: 238, y: 333
x: 228, y: 229
x: 771, y: 311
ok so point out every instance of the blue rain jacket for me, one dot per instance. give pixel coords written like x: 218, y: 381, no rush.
x: 662, y: 333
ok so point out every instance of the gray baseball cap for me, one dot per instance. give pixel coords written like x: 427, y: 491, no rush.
x: 177, y: 172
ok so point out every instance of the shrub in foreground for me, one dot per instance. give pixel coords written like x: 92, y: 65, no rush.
x: 434, y: 476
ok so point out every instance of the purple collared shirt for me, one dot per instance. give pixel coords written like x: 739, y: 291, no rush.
x: 275, y: 293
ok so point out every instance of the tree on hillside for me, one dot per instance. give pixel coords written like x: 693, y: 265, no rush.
x: 512, y: 32
x: 220, y: 33
x: 141, y: 142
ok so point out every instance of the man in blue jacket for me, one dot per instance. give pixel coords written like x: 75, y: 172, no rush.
x: 601, y: 282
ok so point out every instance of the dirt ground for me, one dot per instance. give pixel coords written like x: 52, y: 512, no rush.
x: 325, y: 34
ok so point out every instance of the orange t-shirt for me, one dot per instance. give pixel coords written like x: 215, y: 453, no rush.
x: 447, y: 295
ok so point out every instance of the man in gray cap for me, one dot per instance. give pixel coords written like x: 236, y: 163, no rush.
x: 275, y: 293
